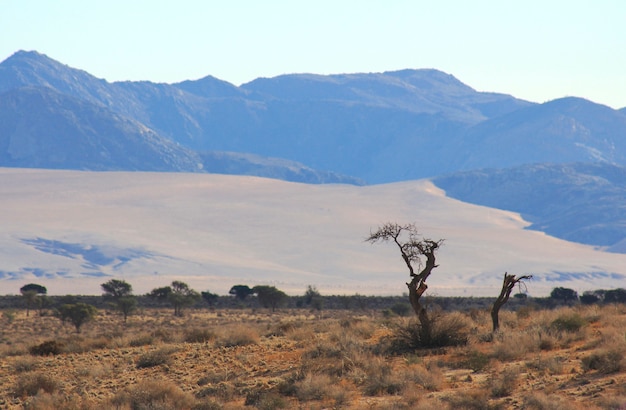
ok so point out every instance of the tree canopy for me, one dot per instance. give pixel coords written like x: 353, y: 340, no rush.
x: 269, y: 296
x: 119, y: 294
x: 241, y: 292
x: 178, y: 294
x: 77, y: 313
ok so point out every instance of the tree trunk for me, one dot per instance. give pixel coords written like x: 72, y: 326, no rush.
x: 416, y: 290
x: 508, y: 283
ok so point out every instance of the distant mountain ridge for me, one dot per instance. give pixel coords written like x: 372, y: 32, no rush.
x: 347, y: 124
x: 364, y: 128
x: 579, y: 202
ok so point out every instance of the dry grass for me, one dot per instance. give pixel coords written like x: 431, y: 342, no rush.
x: 569, y: 358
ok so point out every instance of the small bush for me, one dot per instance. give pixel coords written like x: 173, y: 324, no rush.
x: 24, y: 365
x: 381, y: 380
x: 239, y: 336
x: 430, y: 377
x: 540, y: 401
x: 48, y: 348
x: 31, y: 383
x: 199, y: 336
x: 262, y: 399
x: 155, y: 358
x: 476, y: 361
x: 313, y: 387
x: 504, y: 383
x: 604, y: 362
x: 222, y: 391
x: 143, y: 340
x: 401, y: 309
x: 477, y: 399
x: 446, y: 330
x: 161, y: 395
x: 569, y: 323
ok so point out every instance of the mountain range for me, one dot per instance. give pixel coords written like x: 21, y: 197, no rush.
x: 560, y: 164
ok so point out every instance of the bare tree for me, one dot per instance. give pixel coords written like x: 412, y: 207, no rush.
x: 508, y: 284
x: 413, y: 248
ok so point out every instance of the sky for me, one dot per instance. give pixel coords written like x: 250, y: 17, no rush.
x: 537, y: 50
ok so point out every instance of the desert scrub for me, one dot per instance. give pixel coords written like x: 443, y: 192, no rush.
x: 502, y: 384
x: 546, y: 365
x: 156, y: 357
x: 47, y: 348
x: 476, y: 361
x: 198, y: 335
x: 428, y: 377
x: 568, y: 323
x: 30, y: 384
x: 446, y: 330
x: 25, y: 364
x: 238, y: 335
x: 314, y: 387
x: 515, y: 345
x: 604, y: 361
x: 161, y: 395
x: 381, y: 379
x: 141, y: 340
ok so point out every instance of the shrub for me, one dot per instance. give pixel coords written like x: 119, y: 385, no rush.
x: 381, y: 380
x: 161, y: 395
x: 476, y: 361
x: 142, y: 340
x: 262, y: 399
x: 401, y: 309
x: 31, y: 383
x: 313, y: 387
x: 222, y: 391
x: 503, y: 384
x: 24, y: 365
x: 541, y: 401
x: 446, y: 330
x: 604, y: 362
x: 155, y: 358
x: 48, y: 348
x: 199, y: 335
x: 569, y: 323
x: 477, y: 399
x: 430, y: 377
x: 239, y: 336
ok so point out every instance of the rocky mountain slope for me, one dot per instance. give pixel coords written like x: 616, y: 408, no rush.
x: 350, y: 128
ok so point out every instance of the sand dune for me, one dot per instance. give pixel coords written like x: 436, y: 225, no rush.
x: 71, y: 231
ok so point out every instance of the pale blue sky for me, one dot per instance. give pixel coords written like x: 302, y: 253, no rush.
x: 538, y: 50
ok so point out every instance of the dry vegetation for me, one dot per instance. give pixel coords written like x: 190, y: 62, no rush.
x: 565, y: 358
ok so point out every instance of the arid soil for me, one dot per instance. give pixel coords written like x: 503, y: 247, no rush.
x: 566, y: 358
